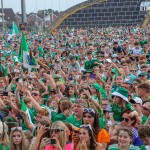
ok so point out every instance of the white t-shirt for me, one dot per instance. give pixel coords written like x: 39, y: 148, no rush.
x: 137, y: 51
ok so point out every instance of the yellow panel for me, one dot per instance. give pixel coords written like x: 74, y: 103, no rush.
x: 146, y: 20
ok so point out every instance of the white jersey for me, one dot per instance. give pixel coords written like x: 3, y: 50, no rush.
x: 137, y: 51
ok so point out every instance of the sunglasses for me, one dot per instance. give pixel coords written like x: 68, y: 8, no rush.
x: 126, y: 119
x: 35, y: 94
x: 88, y: 110
x: 14, y: 128
x: 57, y: 130
x: 145, y: 108
x: 133, y: 70
x: 86, y: 126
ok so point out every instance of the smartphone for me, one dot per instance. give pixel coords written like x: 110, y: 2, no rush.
x: 52, y: 141
x: 5, y: 93
x: 48, y: 72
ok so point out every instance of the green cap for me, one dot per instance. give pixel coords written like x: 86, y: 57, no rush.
x: 143, y: 74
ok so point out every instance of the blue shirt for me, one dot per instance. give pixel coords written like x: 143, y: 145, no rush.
x: 136, y: 139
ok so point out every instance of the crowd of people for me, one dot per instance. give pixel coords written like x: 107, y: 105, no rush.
x: 90, y: 91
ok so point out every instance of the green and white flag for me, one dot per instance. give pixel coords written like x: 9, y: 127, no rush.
x: 15, y: 29
x: 25, y: 109
x: 24, y: 56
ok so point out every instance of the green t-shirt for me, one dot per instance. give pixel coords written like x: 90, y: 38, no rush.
x: 95, y: 98
x: 72, y: 99
x: 89, y: 64
x: 4, y: 70
x: 3, y: 147
x: 143, y: 42
x: 118, y: 110
x: 115, y: 147
x: 71, y: 119
x: 144, y: 118
x: 102, y: 123
x: 58, y: 117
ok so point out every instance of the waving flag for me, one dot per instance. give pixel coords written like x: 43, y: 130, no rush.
x: 24, y: 56
x: 15, y: 29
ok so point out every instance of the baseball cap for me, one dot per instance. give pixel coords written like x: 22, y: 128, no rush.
x: 143, y: 74
x: 128, y: 82
x: 89, y: 52
x: 136, y: 100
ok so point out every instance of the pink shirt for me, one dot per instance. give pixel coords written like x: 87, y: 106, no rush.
x: 69, y: 146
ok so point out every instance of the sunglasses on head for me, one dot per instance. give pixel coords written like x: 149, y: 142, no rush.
x: 125, y: 119
x: 86, y: 126
x: 88, y: 110
x: 56, y: 130
x: 16, y: 128
x: 35, y: 94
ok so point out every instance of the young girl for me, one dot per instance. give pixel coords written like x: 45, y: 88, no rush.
x: 59, y: 135
x: 17, y: 139
x: 91, y: 117
x: 118, y: 80
x: 124, y: 140
x: 87, y: 139
x: 120, y: 103
x: 70, y: 93
x: 4, y: 140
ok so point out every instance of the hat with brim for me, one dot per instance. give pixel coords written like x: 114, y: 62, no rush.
x: 128, y: 82
x: 55, y: 76
x: 89, y: 52
x: 121, y: 92
x: 142, y: 74
x: 136, y: 100
x: 100, y: 55
x: 114, y: 70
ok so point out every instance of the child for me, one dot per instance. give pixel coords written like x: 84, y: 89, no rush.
x: 120, y: 103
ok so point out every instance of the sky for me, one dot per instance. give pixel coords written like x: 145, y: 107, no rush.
x: 36, y: 5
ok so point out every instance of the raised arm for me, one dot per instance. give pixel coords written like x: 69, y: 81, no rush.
x: 35, y: 104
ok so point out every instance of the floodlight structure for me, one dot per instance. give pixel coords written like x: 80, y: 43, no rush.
x: 23, y: 10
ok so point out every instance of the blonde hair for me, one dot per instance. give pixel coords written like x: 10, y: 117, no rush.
x: 5, y: 139
x: 22, y: 145
x: 62, y: 137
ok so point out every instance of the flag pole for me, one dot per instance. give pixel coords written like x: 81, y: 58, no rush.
x: 23, y: 9
x: 2, y: 15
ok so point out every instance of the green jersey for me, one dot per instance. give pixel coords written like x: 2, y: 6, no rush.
x: 72, y: 119
x: 58, y: 117
x: 118, y: 110
x: 144, y: 119
x: 3, y: 147
x: 115, y: 147
x: 89, y: 64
